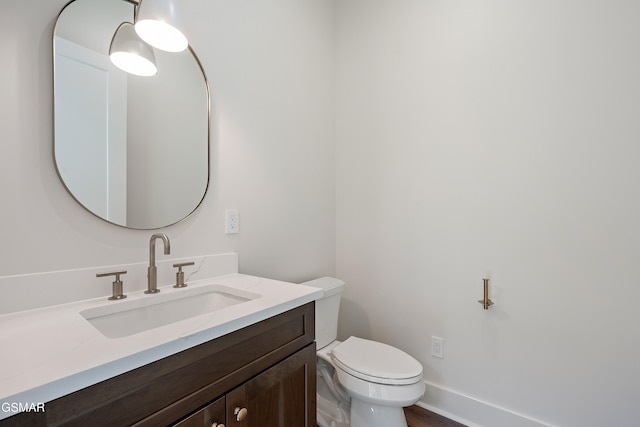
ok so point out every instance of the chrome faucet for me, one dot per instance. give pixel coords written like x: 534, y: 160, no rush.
x: 152, y: 277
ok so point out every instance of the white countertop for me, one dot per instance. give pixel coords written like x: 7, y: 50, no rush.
x: 53, y: 351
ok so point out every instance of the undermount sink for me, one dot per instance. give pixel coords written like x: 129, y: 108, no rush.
x: 125, y: 318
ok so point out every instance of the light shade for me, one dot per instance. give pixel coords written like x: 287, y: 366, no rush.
x: 129, y: 53
x: 158, y: 23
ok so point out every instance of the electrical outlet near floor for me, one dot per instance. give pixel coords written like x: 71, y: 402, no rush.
x: 437, y: 347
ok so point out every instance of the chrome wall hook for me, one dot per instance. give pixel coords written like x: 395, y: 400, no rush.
x: 486, y: 302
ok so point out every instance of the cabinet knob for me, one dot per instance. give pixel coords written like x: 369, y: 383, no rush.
x: 217, y: 425
x: 240, y: 413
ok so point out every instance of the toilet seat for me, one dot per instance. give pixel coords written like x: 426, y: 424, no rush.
x: 376, y: 362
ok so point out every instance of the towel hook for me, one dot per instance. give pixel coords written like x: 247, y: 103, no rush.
x: 486, y: 302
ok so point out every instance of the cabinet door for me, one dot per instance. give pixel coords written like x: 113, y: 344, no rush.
x: 282, y: 396
x: 211, y: 415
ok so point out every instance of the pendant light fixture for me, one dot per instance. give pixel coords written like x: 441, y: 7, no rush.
x: 131, y: 54
x: 158, y: 23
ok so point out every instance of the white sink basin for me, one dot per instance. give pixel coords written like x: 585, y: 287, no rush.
x: 124, y: 318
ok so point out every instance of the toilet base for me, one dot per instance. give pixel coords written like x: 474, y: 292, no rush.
x: 330, y: 414
x: 364, y: 414
x: 332, y: 403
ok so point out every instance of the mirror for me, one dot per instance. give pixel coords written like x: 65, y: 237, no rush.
x: 132, y: 150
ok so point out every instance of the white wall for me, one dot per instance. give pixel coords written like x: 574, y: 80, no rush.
x: 272, y: 146
x: 495, y: 139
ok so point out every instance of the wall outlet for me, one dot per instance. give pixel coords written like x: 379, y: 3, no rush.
x: 437, y: 347
x: 232, y: 221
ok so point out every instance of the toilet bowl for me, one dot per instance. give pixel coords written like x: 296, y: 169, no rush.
x: 361, y: 383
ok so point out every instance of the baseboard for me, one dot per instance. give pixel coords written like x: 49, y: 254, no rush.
x: 470, y: 411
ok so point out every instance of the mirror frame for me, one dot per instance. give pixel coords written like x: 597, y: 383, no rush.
x: 134, y: 3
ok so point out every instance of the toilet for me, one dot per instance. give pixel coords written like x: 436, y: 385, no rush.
x: 361, y: 383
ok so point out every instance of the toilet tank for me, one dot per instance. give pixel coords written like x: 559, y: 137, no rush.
x: 327, y: 308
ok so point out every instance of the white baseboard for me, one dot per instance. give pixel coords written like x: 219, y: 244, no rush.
x: 470, y: 411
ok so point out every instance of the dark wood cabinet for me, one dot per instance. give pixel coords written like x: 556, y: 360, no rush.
x: 267, y: 368
x: 278, y: 397
x: 212, y: 415
x: 281, y: 396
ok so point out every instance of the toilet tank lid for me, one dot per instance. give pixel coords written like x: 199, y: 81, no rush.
x: 329, y: 285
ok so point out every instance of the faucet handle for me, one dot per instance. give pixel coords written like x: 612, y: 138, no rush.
x: 116, y: 293
x: 180, y: 274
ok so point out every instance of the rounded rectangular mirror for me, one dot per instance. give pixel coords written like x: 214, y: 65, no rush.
x: 132, y: 150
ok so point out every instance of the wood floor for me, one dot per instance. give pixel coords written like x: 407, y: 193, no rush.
x: 419, y: 417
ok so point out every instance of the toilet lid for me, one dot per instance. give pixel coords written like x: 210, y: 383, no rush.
x: 376, y: 362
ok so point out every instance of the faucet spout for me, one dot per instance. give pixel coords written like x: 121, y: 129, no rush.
x: 152, y: 277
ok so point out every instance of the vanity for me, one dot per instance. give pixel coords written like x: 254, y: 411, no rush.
x: 249, y: 362
x: 227, y: 349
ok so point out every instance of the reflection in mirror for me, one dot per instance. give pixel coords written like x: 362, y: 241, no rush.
x: 130, y: 53
x: 132, y: 150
